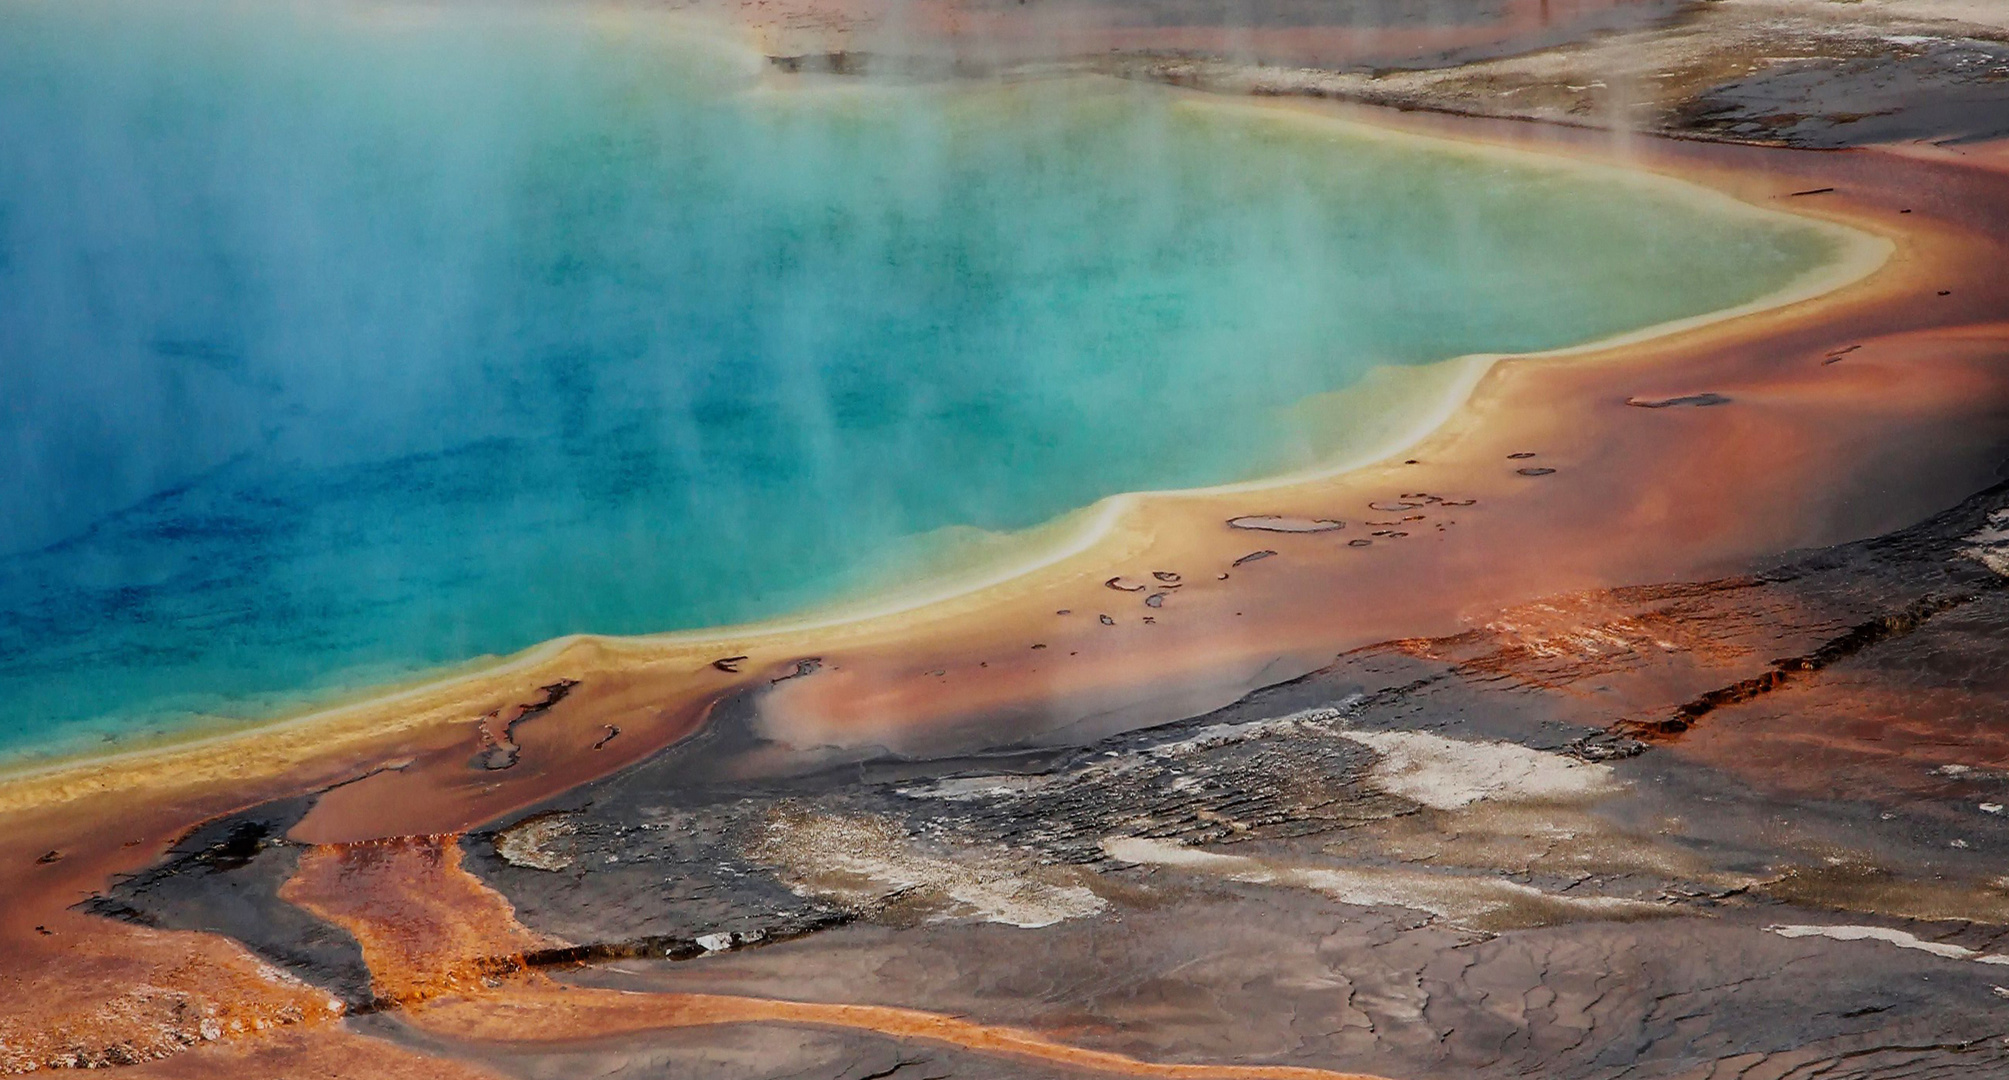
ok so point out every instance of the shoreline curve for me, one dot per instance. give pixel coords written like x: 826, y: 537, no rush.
x: 346, y: 717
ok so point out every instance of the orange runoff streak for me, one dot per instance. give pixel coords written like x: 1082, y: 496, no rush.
x: 544, y: 1011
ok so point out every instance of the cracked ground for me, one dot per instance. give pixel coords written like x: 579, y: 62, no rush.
x: 1578, y: 840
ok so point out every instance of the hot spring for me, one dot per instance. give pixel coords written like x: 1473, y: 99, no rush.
x: 341, y: 342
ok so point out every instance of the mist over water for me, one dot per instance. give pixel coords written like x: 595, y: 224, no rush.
x: 342, y: 342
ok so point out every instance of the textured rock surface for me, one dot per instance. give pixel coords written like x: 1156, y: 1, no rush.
x: 1581, y: 839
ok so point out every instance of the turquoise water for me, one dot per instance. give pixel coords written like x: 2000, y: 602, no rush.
x: 338, y: 343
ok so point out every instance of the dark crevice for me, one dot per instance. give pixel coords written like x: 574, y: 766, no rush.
x: 1793, y: 668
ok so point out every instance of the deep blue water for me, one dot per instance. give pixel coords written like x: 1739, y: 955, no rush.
x: 340, y: 342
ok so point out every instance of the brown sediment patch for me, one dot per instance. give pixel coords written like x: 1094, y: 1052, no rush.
x: 496, y: 732
x: 542, y: 1011
x: 1559, y: 643
x: 1869, y: 889
x: 458, y: 777
x: 1872, y: 737
x: 1782, y: 672
x: 323, y: 1053
x: 77, y: 989
x: 89, y: 994
x: 426, y: 926
x: 1988, y: 154
x: 1888, y: 691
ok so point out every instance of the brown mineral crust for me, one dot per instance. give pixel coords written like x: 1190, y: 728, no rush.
x: 1873, y: 738
x: 426, y: 926
x: 539, y: 1010
x: 76, y: 989
x: 93, y: 994
x: 321, y: 1053
x: 1991, y: 154
x: 1871, y: 674
x: 447, y: 785
x: 1560, y: 643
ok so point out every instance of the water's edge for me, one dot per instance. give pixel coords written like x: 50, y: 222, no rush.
x: 1437, y: 392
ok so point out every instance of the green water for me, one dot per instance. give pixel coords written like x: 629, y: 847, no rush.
x: 339, y: 342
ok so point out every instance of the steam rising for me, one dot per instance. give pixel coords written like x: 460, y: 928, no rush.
x: 341, y: 341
